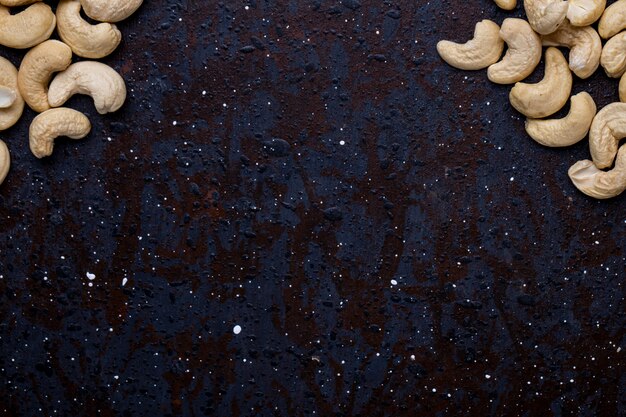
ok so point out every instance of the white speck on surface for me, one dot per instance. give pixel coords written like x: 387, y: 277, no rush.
x: 91, y: 276
x: 116, y: 377
x: 237, y: 329
x: 394, y: 282
x: 342, y: 142
x: 487, y: 376
x: 124, y: 281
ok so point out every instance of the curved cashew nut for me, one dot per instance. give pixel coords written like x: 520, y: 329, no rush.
x: 585, y: 47
x: 85, y: 39
x: 28, y: 28
x: 110, y: 10
x: 54, y: 123
x: 8, y: 81
x: 5, y: 161
x: 613, y: 57
x: 36, y: 70
x: 613, y: 19
x: 506, y: 4
x: 95, y: 79
x: 607, y: 128
x: 597, y: 183
x: 545, y: 16
x: 479, y: 52
x: 548, y: 95
x: 521, y: 58
x: 566, y: 131
x: 585, y: 12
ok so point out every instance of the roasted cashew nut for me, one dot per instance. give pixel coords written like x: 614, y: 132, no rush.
x: 521, y: 58
x: 607, y: 128
x: 545, y: 16
x: 613, y: 58
x: 8, y: 80
x: 613, y: 19
x: 585, y: 12
x: 548, y: 95
x: 54, y: 123
x: 110, y: 10
x: 5, y: 161
x: 566, y: 131
x: 585, y: 47
x: 597, y: 183
x: 36, y: 70
x: 95, y: 79
x: 479, y: 52
x: 506, y: 4
x: 27, y: 28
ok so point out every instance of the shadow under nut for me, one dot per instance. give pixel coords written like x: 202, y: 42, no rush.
x: 28, y: 28
x: 8, y: 78
x: 54, y: 123
x: 85, y: 39
x: 36, y: 70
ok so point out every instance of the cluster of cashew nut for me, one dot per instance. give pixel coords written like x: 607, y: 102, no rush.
x: 558, y: 23
x: 33, y: 83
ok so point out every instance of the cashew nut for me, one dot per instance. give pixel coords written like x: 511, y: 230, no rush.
x: 110, y: 10
x: 613, y: 58
x: 585, y: 12
x: 548, y: 95
x: 545, y: 16
x: 5, y: 161
x: 7, y: 97
x: 622, y: 88
x: 8, y: 81
x: 585, y: 47
x: 95, y: 79
x: 36, y: 71
x: 13, y: 3
x: 566, y: 131
x: 85, y: 39
x: 27, y: 28
x: 597, y: 183
x: 613, y: 19
x: 54, y: 123
x: 607, y: 128
x: 479, y: 52
x: 506, y: 4
x: 521, y: 58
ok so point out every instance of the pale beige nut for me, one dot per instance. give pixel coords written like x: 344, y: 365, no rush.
x: 110, y: 10
x: 85, y: 39
x: 522, y: 56
x: 585, y: 12
x: 479, y: 52
x: 54, y: 123
x: 545, y: 16
x: 622, y: 88
x: 5, y: 161
x: 27, y: 28
x: 613, y: 19
x: 607, y: 128
x: 506, y: 4
x: 7, y: 97
x: 597, y: 183
x: 94, y: 79
x: 14, y: 3
x: 585, y: 47
x: 548, y: 95
x: 613, y: 58
x: 36, y: 70
x: 8, y: 80
x: 570, y: 129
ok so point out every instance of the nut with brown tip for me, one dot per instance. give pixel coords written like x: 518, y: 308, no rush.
x: 27, y: 28
x: 585, y: 12
x: 570, y: 129
x: 110, y: 10
x: 8, y: 80
x: 5, y: 161
x: 479, y: 52
x: 585, y: 47
x: 54, y: 123
x: 85, y: 39
x: 95, y: 79
x: 613, y: 19
x: 607, y: 129
x: 613, y: 57
x: 521, y: 58
x: 597, y: 183
x: 36, y: 70
x: 548, y: 95
x: 545, y: 16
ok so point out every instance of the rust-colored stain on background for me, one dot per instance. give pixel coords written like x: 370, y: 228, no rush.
x: 301, y: 210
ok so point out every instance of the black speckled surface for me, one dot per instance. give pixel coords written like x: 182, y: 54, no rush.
x: 389, y: 240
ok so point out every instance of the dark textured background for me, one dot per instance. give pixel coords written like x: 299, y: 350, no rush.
x: 223, y: 193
